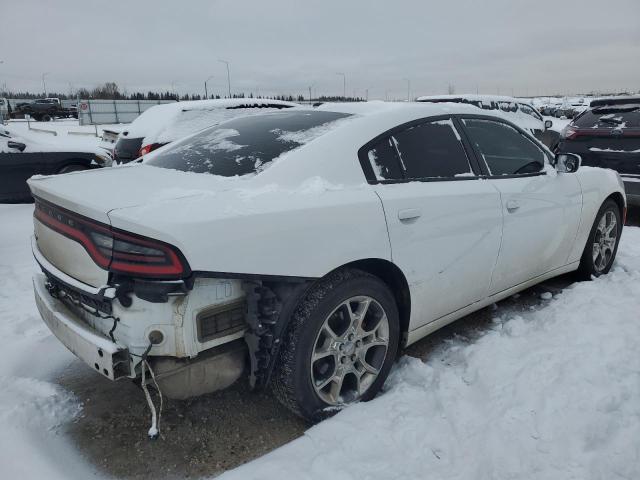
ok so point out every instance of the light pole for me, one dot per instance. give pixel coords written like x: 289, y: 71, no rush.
x: 344, y: 85
x: 206, y: 94
x: 408, y: 89
x: 310, y: 87
x: 228, y: 76
x: 366, y: 92
x: 44, y: 84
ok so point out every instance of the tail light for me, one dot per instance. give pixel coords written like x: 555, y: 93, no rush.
x: 569, y: 132
x: 115, y: 250
x: 147, y: 149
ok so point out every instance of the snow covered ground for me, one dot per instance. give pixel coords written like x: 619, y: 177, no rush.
x: 549, y: 393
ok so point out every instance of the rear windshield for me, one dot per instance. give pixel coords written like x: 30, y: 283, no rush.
x: 615, y: 116
x: 245, y: 145
x: 127, y: 148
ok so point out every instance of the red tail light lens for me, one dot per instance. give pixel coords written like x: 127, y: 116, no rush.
x: 569, y: 132
x: 113, y: 249
x: 147, y: 149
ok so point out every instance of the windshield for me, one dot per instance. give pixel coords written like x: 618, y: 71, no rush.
x: 245, y: 145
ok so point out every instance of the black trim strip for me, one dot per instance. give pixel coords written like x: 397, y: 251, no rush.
x: 251, y: 276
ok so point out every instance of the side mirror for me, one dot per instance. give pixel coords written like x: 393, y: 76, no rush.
x: 16, y: 145
x: 567, y: 162
x: 548, y: 124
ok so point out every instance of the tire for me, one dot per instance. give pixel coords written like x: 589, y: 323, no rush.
x: 45, y: 118
x: 592, y: 263
x: 71, y: 168
x: 305, y: 386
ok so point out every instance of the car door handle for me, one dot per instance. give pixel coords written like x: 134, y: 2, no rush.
x: 409, y: 214
x: 512, y: 206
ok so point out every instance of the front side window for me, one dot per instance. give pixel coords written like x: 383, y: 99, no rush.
x: 504, y: 149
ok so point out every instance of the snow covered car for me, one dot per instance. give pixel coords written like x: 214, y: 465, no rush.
x: 22, y: 156
x: 316, y: 243
x: 166, y: 123
x: 515, y: 110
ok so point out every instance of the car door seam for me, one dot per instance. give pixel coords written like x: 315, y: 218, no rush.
x: 502, y: 219
x: 386, y: 222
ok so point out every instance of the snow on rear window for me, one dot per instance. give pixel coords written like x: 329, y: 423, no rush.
x: 246, y: 145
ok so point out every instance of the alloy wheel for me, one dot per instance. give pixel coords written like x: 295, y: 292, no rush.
x: 604, y: 241
x: 349, y: 350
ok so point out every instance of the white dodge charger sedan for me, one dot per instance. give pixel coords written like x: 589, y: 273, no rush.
x: 307, y: 247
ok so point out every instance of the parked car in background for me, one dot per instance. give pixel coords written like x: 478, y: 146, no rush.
x: 270, y: 237
x: 22, y: 156
x: 517, y: 111
x: 45, y: 109
x: 608, y: 135
x: 4, y: 109
x: 162, y: 124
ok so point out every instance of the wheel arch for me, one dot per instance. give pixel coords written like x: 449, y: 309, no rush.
x: 620, y: 201
x: 395, y: 279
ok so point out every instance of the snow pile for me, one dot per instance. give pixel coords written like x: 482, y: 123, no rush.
x: 32, y: 408
x: 550, y: 393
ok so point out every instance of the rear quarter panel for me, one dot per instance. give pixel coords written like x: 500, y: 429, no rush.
x: 305, y: 233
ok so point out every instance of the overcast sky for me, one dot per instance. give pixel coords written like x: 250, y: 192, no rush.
x: 532, y: 47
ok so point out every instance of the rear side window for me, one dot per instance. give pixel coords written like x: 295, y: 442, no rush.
x: 529, y: 111
x: 432, y: 150
x: 504, y: 149
x: 384, y: 160
x: 428, y: 150
x: 618, y: 116
x: 508, y: 107
x: 245, y: 145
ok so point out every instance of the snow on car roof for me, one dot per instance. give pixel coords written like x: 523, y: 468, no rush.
x: 470, y: 97
x: 620, y: 100
x: 41, y: 143
x: 170, y: 121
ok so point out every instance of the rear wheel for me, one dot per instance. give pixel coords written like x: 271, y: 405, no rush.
x: 339, y: 347
x: 45, y: 118
x: 602, y: 244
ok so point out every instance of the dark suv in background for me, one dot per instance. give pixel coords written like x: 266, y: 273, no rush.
x: 608, y: 135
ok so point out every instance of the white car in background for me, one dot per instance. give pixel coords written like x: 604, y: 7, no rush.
x: 515, y: 110
x: 315, y: 242
x: 168, y: 122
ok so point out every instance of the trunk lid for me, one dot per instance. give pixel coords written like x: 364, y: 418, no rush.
x: 93, y: 194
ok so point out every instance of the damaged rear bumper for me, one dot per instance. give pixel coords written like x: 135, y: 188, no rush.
x: 96, y: 350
